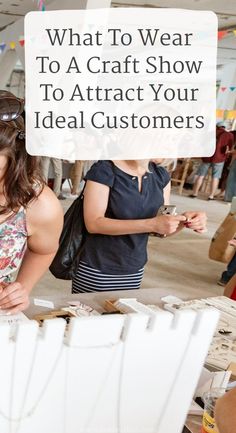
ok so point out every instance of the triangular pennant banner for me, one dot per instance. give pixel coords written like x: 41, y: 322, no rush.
x: 220, y: 114
x: 223, y: 89
x: 21, y: 41
x: 234, y: 32
x: 231, y: 114
x: 12, y: 45
x: 221, y: 34
x: 41, y: 5
x: 2, y: 47
x: 232, y: 88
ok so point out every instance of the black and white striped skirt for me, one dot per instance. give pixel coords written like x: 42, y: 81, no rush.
x: 88, y: 279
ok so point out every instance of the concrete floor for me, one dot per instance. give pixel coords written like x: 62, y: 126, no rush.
x: 177, y: 263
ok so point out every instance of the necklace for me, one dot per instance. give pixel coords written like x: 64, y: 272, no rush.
x: 102, y: 386
x: 30, y: 412
x: 24, y: 415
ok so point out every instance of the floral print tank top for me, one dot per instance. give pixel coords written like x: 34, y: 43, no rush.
x: 13, y: 236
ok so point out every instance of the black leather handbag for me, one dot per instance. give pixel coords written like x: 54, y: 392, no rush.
x: 66, y: 260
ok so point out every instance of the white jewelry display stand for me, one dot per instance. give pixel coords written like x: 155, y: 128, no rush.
x: 110, y: 374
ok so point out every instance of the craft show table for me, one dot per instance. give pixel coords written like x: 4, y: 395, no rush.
x: 150, y: 297
x: 97, y: 301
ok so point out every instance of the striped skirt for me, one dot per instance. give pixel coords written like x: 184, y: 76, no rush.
x: 88, y: 279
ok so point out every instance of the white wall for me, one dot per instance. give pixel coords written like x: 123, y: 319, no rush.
x: 227, y: 100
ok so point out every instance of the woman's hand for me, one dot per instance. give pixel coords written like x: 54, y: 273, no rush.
x: 167, y: 224
x: 13, y: 297
x: 196, y: 221
x: 233, y: 242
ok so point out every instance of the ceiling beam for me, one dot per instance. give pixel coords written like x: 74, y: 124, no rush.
x: 11, y: 14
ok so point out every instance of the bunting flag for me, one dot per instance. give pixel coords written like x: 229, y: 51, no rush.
x: 224, y: 88
x: 223, y: 33
x: 41, y: 5
x: 2, y: 47
x: 21, y: 41
x: 231, y: 114
x: 226, y: 114
x: 12, y: 44
x: 220, y: 114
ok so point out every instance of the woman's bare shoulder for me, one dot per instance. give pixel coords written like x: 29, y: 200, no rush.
x: 45, y: 208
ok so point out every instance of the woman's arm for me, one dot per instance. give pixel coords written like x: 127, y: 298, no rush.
x: 44, y: 222
x: 166, y: 193
x: 95, y: 204
x: 230, y: 286
x: 225, y: 414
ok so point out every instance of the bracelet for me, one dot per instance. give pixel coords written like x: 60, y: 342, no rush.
x: 157, y: 235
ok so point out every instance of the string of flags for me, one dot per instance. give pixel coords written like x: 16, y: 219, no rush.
x: 41, y: 5
x: 223, y: 33
x: 226, y: 114
x: 227, y: 88
x: 12, y: 44
x: 21, y: 41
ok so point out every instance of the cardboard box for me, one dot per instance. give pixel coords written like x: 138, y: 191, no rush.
x: 110, y: 307
x: 232, y: 367
x: 53, y: 315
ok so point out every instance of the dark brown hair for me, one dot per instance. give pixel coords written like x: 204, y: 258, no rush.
x: 22, y: 181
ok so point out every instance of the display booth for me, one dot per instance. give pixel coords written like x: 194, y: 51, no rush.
x: 132, y: 373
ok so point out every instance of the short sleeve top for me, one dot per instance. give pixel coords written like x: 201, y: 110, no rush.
x: 13, y: 239
x: 124, y: 254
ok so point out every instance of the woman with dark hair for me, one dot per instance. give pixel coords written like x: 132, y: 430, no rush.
x: 30, y: 214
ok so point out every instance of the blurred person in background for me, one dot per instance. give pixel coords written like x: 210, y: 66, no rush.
x: 56, y: 164
x: 224, y: 143
x: 230, y: 190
